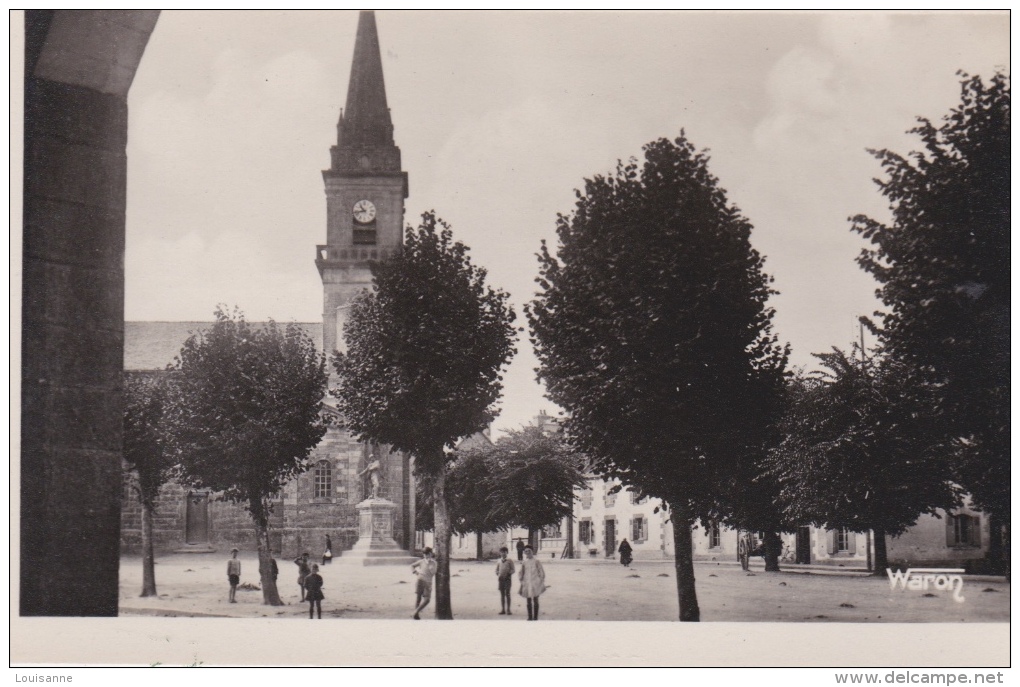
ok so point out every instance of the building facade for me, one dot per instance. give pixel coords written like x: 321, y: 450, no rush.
x: 365, y: 189
x: 604, y: 516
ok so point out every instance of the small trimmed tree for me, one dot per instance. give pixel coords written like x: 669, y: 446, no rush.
x: 468, y: 481
x: 422, y: 369
x: 147, y: 454
x: 532, y: 479
x: 652, y: 331
x: 245, y: 414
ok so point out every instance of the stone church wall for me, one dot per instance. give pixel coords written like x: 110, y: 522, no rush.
x: 300, y: 520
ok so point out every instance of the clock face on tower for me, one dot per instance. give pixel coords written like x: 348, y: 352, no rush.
x: 364, y: 211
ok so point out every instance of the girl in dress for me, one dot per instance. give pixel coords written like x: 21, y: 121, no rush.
x: 532, y: 577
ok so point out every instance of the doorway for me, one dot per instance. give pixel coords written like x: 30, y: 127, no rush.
x: 803, y: 545
x: 196, y: 523
x: 610, y: 538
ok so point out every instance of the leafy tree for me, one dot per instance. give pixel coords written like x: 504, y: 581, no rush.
x: 468, y: 480
x: 652, y: 330
x: 527, y: 479
x: 147, y: 455
x: 858, y: 452
x: 425, y: 350
x: 532, y: 479
x: 245, y: 414
x: 943, y: 265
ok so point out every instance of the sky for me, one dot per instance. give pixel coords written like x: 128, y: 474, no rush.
x: 500, y: 116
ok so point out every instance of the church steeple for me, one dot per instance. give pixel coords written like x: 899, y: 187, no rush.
x: 365, y: 188
x: 365, y: 130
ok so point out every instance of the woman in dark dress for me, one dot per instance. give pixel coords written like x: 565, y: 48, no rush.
x: 625, y: 553
x: 313, y: 592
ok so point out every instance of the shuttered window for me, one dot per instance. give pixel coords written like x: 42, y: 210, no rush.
x: 639, y: 528
x: 963, y: 530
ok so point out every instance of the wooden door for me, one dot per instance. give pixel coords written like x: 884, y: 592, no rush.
x: 610, y: 538
x: 803, y: 544
x: 196, y: 528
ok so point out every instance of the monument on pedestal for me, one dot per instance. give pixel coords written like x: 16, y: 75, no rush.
x: 375, y: 545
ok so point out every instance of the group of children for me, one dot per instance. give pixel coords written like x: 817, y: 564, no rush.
x: 531, y: 577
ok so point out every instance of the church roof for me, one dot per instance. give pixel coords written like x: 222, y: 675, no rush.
x: 154, y: 345
x: 366, y: 118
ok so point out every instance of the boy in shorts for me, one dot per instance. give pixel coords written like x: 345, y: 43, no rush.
x: 425, y: 569
x: 233, y: 574
x: 505, y: 574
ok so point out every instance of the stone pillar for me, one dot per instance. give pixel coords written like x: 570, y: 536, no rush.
x: 78, y: 68
x: 376, y: 545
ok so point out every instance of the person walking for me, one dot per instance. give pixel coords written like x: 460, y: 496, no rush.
x: 313, y: 592
x: 520, y: 549
x: 625, y: 551
x: 233, y: 574
x: 532, y: 578
x: 425, y: 569
x: 327, y: 555
x: 303, y: 571
x: 504, y: 575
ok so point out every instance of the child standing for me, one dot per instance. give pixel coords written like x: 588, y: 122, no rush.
x: 532, y: 581
x: 313, y: 592
x: 505, y: 574
x: 425, y: 569
x: 303, y: 571
x: 233, y: 574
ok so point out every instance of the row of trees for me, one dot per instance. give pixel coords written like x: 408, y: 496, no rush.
x: 652, y: 328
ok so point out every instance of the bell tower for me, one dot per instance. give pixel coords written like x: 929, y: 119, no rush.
x: 365, y: 188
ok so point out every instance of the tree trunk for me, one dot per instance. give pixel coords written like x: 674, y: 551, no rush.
x: 148, y: 558
x: 1005, y: 532
x: 881, y: 555
x: 479, y: 554
x: 570, y: 536
x: 683, y: 546
x: 444, y: 607
x: 270, y: 595
x: 994, y: 555
x: 773, y: 549
x: 533, y: 539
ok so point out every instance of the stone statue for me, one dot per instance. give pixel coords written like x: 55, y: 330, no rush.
x: 374, y: 472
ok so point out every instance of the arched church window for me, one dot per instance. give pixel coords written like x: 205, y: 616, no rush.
x: 323, y: 480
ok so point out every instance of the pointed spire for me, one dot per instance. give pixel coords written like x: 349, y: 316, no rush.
x: 366, y: 119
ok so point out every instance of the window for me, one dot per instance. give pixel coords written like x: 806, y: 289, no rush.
x: 963, y: 530
x: 586, y: 495
x: 843, y: 540
x: 631, y: 494
x: 585, y: 533
x: 323, y: 486
x: 610, y: 497
x: 639, y: 528
x: 714, y: 538
x: 364, y: 237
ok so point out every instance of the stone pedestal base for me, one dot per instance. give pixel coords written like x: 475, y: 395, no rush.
x: 375, y: 545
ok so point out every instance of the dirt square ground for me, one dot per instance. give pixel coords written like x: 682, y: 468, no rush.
x: 196, y: 585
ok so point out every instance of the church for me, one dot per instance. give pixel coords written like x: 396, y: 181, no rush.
x: 365, y: 191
